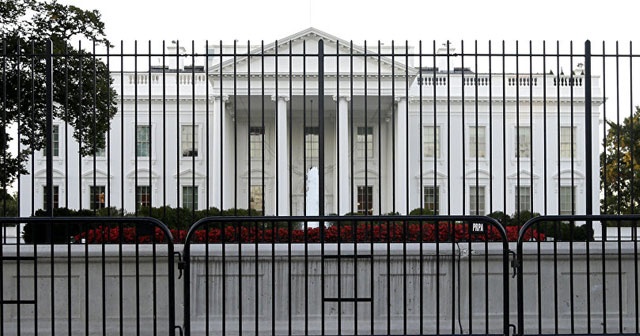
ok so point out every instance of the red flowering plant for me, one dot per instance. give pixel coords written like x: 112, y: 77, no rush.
x: 352, y: 232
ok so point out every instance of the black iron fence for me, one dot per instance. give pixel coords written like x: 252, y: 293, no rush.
x: 347, y: 275
x: 312, y: 130
x: 125, y: 284
x: 583, y: 287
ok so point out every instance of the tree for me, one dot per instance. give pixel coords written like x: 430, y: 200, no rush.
x: 620, y: 166
x: 8, y: 204
x: 82, y: 92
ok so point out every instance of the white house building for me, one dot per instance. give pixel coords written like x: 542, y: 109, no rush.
x: 240, y: 129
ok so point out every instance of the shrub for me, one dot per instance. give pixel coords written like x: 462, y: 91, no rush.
x: 421, y: 211
x: 36, y: 233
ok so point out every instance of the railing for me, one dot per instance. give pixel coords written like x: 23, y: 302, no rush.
x: 371, y: 275
x: 121, y: 286
x: 583, y: 287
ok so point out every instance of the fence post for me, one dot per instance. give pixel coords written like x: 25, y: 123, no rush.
x: 588, y: 134
x: 49, y: 125
x: 321, y: 126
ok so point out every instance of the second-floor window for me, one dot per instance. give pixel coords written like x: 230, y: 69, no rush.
x: 311, y: 145
x: 189, y: 140
x: 102, y: 151
x: 55, y: 138
x: 523, y: 142
x: 256, y: 142
x: 567, y: 142
x: 431, y: 141
x: 143, y: 141
x: 477, y: 142
x: 364, y: 142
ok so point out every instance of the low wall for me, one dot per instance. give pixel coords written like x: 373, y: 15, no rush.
x: 455, y: 288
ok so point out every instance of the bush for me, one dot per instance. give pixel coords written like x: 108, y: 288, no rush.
x: 421, y: 211
x: 560, y: 231
x: 174, y: 218
x: 501, y: 217
x: 37, y: 233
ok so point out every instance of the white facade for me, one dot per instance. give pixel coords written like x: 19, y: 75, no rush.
x: 378, y: 100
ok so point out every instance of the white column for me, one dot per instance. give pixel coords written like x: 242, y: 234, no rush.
x: 343, y: 179
x: 227, y: 147
x: 400, y: 160
x: 216, y: 151
x: 284, y: 169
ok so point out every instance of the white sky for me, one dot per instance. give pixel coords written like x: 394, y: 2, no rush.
x: 358, y: 20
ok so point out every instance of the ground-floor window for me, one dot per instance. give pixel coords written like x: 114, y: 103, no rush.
x: 143, y: 196
x: 190, y: 197
x: 56, y: 197
x: 96, y: 197
x: 365, y: 200
x: 477, y: 200
x: 523, y: 198
x: 567, y: 200
x: 431, y: 200
x: 256, y: 198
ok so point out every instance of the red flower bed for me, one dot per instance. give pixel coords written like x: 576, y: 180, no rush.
x: 362, y: 233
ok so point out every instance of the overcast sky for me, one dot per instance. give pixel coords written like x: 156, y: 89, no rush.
x: 358, y: 20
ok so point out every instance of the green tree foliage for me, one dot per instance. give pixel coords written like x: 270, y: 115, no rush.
x: 8, y: 204
x: 620, y: 167
x: 82, y: 91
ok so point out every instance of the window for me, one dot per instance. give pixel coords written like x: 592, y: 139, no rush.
x: 96, y: 197
x: 143, y: 141
x: 365, y: 200
x: 523, y: 198
x: 256, y: 138
x: 567, y: 200
x: 257, y: 198
x: 364, y: 142
x: 431, y: 141
x: 476, y: 200
x: 56, y: 197
x: 101, y: 151
x: 567, y: 142
x: 143, y: 197
x: 55, y: 138
x: 189, y: 140
x: 311, y: 145
x: 523, y: 143
x: 477, y: 142
x: 431, y: 200
x: 190, y: 197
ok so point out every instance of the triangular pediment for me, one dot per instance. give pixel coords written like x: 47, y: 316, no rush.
x: 568, y: 175
x: 98, y: 174
x: 187, y: 174
x: 142, y: 174
x: 42, y: 173
x: 429, y: 174
x: 481, y: 174
x: 523, y: 175
x: 342, y: 58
